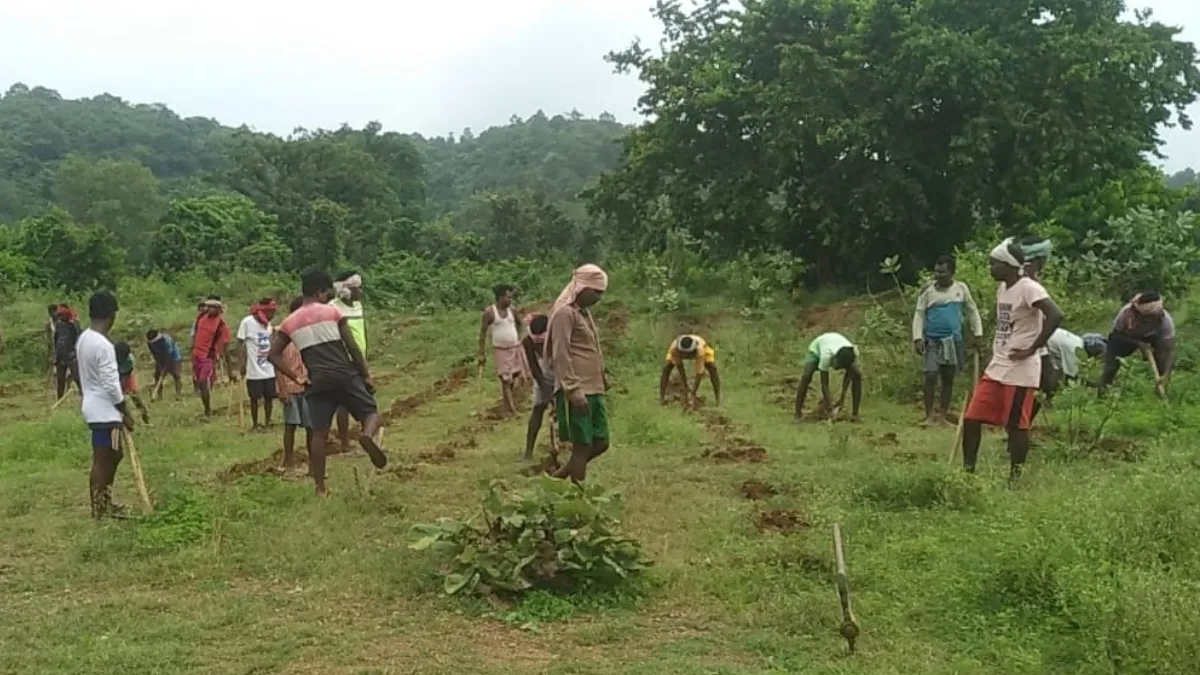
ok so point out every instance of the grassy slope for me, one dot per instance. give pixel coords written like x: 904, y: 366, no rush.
x: 257, y: 576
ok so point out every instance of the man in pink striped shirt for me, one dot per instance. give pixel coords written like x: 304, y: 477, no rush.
x: 337, y: 372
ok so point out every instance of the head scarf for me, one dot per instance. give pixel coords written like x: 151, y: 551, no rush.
x: 260, y: 310
x: 1148, y: 307
x: 65, y: 313
x: 1037, y: 249
x: 343, y: 288
x: 1094, y: 342
x: 1004, y: 252
x: 585, y: 276
x: 209, y: 304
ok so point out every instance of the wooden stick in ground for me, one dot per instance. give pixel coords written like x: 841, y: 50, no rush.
x: 849, y: 627
x: 1158, y: 388
x: 59, y: 401
x: 159, y: 387
x: 962, y: 414
x: 136, y: 462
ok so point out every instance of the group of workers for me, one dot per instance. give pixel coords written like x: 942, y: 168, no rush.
x: 315, y: 363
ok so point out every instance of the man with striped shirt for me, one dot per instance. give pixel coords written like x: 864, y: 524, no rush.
x: 337, y: 373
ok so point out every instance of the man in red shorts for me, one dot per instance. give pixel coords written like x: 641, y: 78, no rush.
x: 211, y: 339
x: 1026, y: 317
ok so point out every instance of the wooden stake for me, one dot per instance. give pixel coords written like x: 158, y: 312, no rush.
x: 138, y: 478
x: 849, y: 627
x: 1158, y: 388
x: 962, y: 414
x: 59, y: 401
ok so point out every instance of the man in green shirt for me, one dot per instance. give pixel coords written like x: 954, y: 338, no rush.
x: 348, y: 295
x: 831, y: 351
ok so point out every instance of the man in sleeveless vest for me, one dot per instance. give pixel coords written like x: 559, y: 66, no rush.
x: 501, y: 321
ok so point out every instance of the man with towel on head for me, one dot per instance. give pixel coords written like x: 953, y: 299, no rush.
x: 1143, y: 322
x: 501, y: 321
x: 1026, y: 317
x: 347, y: 298
x: 210, y: 341
x: 574, y: 350
x: 1036, y: 251
x: 254, y: 332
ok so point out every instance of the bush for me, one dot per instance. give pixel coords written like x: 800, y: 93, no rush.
x: 549, y: 534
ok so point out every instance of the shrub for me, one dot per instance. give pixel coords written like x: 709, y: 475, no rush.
x: 548, y: 534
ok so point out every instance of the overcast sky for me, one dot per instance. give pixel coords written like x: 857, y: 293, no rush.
x: 430, y: 66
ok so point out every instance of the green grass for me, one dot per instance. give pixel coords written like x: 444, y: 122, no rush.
x: 1091, y: 566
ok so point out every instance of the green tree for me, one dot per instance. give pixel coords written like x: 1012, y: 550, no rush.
x: 217, y: 233
x: 69, y: 256
x: 120, y: 196
x: 317, y: 234
x: 848, y: 130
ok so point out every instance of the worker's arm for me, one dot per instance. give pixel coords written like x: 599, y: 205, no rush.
x: 562, y: 327
x: 802, y: 389
x: 664, y: 380
x: 918, y: 321
x: 716, y: 381
x: 484, y: 323
x: 973, y: 317
x: 826, y: 397
x: 1052, y: 318
x: 535, y: 368
x: 279, y: 342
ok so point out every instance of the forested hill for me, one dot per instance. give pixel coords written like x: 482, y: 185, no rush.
x: 553, y: 157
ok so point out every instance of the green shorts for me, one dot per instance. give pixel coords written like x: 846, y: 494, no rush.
x: 580, y: 429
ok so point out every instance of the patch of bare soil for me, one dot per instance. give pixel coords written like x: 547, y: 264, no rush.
x: 616, y: 320
x: 267, y: 466
x: 454, y: 381
x: 835, y: 317
x: 916, y: 456
x: 727, y: 445
x: 781, y: 520
x: 756, y: 490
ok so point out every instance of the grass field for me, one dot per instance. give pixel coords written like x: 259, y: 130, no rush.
x: 1092, y: 565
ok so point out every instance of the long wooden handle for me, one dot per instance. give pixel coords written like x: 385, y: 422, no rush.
x: 962, y: 414
x: 1158, y: 389
x: 138, y: 477
x: 849, y: 627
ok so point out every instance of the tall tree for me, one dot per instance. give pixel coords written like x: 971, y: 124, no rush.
x: 120, y: 196
x: 848, y: 130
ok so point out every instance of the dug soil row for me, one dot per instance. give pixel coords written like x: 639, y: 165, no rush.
x: 455, y: 380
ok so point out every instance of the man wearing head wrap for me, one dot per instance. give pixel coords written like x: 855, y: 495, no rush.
x: 574, y: 350
x: 542, y: 373
x: 347, y: 298
x: 254, y: 334
x: 1026, y: 317
x: 937, y: 330
x: 210, y: 340
x: 66, y: 334
x: 501, y: 322
x: 1036, y: 252
x: 704, y: 360
x: 1061, y: 362
x: 1142, y: 323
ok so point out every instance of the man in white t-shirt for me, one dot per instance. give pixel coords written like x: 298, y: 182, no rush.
x: 1026, y: 317
x: 104, y: 407
x: 254, y: 334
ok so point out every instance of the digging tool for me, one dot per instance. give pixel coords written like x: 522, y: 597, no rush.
x: 138, y: 477
x: 1158, y: 387
x: 158, y: 388
x: 59, y: 401
x: 849, y: 627
x: 962, y: 414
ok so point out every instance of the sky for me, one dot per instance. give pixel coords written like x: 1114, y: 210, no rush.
x: 423, y: 66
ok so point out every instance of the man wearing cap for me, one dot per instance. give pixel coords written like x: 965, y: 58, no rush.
x: 704, y: 360
x: 578, y: 363
x: 1026, y: 317
x: 210, y: 340
x: 1142, y: 323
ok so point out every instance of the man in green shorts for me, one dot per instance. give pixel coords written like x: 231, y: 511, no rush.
x: 574, y: 351
x: 830, y: 351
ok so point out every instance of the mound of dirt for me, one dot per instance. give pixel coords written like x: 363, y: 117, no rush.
x: 751, y: 454
x: 455, y: 380
x: 548, y: 465
x: 727, y: 445
x: 616, y: 320
x: 781, y: 520
x: 756, y: 490
x: 916, y: 456
x: 267, y: 466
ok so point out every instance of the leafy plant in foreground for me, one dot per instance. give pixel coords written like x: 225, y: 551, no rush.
x: 546, y: 533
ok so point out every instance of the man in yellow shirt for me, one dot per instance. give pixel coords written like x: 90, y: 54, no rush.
x: 704, y: 360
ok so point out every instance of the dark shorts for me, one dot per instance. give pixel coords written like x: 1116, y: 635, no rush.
x: 934, y: 359
x: 353, y: 396
x: 1001, y: 405
x: 295, y: 412
x: 582, y: 429
x: 170, y: 367
x: 260, y: 389
x: 106, y: 435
